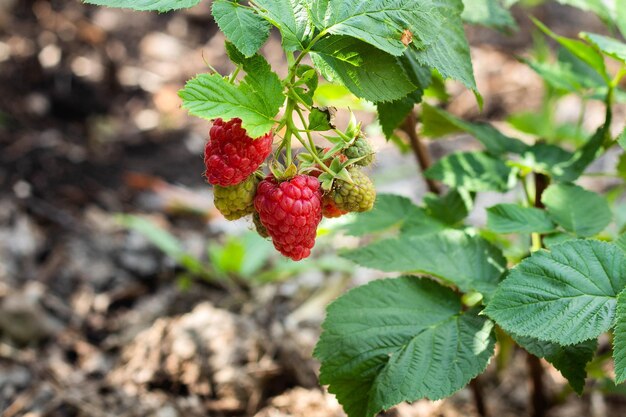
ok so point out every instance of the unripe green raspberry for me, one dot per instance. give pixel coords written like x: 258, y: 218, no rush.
x: 360, y: 147
x: 356, y: 196
x: 236, y: 201
x: 260, y: 229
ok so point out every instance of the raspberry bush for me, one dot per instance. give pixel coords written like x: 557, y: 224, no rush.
x: 546, y: 273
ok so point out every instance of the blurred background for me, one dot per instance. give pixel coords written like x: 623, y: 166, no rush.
x: 123, y: 292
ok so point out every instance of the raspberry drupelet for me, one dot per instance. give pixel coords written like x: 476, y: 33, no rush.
x: 230, y: 155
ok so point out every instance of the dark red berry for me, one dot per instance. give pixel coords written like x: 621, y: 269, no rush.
x: 230, y: 155
x: 290, y: 211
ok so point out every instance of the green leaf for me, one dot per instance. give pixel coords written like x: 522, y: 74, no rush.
x: 564, y: 296
x: 392, y: 114
x: 291, y: 17
x: 512, y: 218
x: 473, y: 171
x: 391, y: 211
x: 581, y: 50
x: 621, y: 242
x: 449, y: 54
x: 379, y: 23
x: 558, y: 76
x: 397, y: 340
x: 368, y: 72
x: 577, y: 210
x: 242, y: 26
x: 319, y: 120
x: 619, y: 339
x: 608, y: 46
x: 469, y: 262
x: 545, y: 158
x: 570, y: 170
x: 569, y: 360
x: 256, y: 100
x: 437, y: 122
x: 154, y: 5
x: 621, y: 139
x: 489, y: 13
x: 450, y: 208
x: 163, y: 240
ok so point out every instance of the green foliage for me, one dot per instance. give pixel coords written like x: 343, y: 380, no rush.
x: 368, y: 72
x: 512, y: 218
x: 450, y: 208
x: 389, y: 212
x: 619, y: 339
x: 379, y: 23
x: 577, y: 210
x: 163, y: 240
x: 154, y: 5
x: 242, y: 26
x: 608, y: 46
x: 473, y: 171
x: 256, y: 100
x: 489, y: 13
x: 292, y: 20
x: 569, y: 360
x: 468, y: 262
x: 449, y: 52
x: 437, y: 122
x: 382, y: 335
x: 566, y: 296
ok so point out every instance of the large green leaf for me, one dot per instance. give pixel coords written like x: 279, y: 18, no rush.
x: 469, y: 262
x: 437, y: 122
x: 256, y: 100
x: 619, y: 339
x: 489, y: 13
x: 291, y: 17
x: 473, y: 171
x: 513, y: 218
x: 449, y: 53
x: 609, y: 46
x: 242, y: 26
x: 397, y: 340
x: 566, y: 296
x: 577, y: 210
x: 368, y: 72
x: 392, y: 114
x: 379, y: 23
x: 569, y: 360
x: 156, y: 5
x: 392, y: 211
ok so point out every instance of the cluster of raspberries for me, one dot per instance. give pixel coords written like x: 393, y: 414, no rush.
x: 289, y: 210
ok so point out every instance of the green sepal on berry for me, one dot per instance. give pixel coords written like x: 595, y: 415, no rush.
x: 236, y: 201
x: 358, y: 195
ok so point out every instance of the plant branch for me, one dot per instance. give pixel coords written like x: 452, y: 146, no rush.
x: 419, y: 150
x: 539, y: 401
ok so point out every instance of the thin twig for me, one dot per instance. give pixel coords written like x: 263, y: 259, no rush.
x: 479, y: 399
x: 419, y: 150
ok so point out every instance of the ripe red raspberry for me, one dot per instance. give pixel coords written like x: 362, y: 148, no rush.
x: 290, y: 211
x: 230, y: 156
